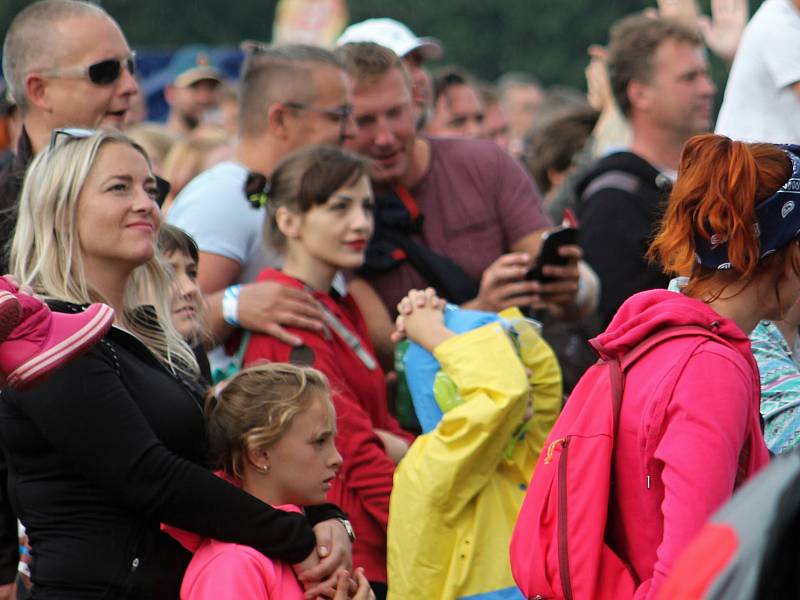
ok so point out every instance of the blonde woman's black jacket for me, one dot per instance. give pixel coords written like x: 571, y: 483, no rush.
x: 105, y: 450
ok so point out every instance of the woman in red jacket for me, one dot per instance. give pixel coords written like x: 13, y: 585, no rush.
x: 320, y: 215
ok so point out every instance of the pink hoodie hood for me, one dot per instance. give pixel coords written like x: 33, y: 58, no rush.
x: 647, y: 313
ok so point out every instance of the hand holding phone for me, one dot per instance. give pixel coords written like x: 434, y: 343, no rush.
x: 552, y: 241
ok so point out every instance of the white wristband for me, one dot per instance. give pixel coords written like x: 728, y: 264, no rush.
x: 230, y: 305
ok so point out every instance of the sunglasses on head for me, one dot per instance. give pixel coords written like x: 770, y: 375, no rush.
x: 104, y: 72
x: 70, y: 133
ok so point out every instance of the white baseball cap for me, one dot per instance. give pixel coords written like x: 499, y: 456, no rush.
x: 392, y: 34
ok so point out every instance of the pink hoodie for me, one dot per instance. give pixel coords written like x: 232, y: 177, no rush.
x: 700, y: 425
x: 222, y: 570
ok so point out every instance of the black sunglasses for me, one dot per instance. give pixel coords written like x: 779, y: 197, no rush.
x: 104, y: 72
x: 70, y: 133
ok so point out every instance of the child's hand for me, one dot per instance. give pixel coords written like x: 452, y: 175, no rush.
x: 406, y: 306
x: 345, y: 586
x: 421, y: 319
x: 318, y: 572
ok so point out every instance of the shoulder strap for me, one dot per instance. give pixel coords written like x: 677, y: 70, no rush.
x: 348, y: 337
x: 617, y: 388
x: 616, y: 179
x: 408, y: 201
x: 238, y: 358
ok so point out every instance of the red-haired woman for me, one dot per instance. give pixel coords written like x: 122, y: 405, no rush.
x: 689, y: 425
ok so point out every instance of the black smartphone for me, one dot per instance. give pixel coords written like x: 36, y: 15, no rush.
x: 551, y: 242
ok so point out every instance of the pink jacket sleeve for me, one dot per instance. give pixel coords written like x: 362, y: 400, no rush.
x: 232, y: 574
x: 705, y: 429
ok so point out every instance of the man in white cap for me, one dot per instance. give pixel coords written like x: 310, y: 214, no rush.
x: 414, y: 51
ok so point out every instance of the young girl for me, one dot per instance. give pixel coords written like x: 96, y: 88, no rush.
x: 320, y: 215
x: 188, y: 305
x: 271, y: 430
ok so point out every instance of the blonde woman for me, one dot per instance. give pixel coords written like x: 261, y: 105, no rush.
x: 114, y: 443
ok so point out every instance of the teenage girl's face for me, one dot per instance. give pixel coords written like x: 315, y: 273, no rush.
x: 187, y: 300
x: 304, y: 462
x: 336, y: 233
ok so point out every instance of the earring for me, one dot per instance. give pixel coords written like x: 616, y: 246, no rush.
x: 264, y: 469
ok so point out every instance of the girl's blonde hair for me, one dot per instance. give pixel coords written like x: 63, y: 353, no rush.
x: 255, y: 408
x: 45, y: 251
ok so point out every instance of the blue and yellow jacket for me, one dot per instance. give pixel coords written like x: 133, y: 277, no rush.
x: 458, y: 490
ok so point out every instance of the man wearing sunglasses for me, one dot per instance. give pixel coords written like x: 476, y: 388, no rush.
x: 292, y: 96
x: 80, y: 74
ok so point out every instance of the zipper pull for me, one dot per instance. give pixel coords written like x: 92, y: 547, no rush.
x: 551, y: 448
x: 648, y: 482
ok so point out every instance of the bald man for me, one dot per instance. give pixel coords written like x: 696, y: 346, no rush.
x: 78, y: 74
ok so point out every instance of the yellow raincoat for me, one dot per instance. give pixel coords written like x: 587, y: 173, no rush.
x: 458, y: 490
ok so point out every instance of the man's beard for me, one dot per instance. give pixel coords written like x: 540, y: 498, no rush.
x: 190, y: 121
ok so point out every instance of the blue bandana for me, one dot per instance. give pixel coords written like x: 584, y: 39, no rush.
x: 777, y: 221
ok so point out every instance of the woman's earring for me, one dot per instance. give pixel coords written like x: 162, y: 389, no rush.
x: 264, y: 469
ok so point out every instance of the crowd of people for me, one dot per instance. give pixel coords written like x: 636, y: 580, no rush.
x: 328, y: 330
